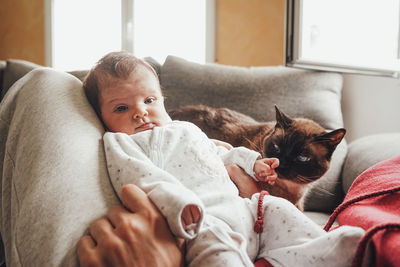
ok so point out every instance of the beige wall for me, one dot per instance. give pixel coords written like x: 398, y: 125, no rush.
x: 251, y: 32
x: 22, y: 30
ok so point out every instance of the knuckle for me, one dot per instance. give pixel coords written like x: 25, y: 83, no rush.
x: 114, y: 211
x: 129, y: 227
x: 91, y: 261
x: 126, y: 223
x: 81, y: 246
x: 112, y: 245
x: 127, y: 232
x: 93, y: 226
x: 96, y: 226
x: 88, y: 258
x: 153, y: 215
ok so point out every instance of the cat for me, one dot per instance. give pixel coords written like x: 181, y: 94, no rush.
x: 303, y: 147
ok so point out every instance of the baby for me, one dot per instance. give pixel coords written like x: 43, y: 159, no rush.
x: 184, y: 174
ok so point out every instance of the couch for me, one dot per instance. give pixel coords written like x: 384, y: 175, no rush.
x: 40, y: 231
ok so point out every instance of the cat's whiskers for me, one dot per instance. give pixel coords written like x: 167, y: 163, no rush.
x: 306, y: 180
x: 253, y: 145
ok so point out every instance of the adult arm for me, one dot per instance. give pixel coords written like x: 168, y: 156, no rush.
x: 135, y: 234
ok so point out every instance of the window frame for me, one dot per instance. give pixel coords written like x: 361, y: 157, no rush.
x: 127, y: 42
x: 293, y: 43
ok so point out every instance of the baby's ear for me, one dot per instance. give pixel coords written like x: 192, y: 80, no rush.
x: 332, y: 139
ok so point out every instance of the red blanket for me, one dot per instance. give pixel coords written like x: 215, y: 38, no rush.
x: 373, y: 203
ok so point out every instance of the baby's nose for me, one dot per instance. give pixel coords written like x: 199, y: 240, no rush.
x: 140, y: 112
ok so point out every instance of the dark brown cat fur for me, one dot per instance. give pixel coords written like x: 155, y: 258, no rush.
x: 302, y: 146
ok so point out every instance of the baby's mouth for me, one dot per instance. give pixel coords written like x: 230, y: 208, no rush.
x: 145, y: 126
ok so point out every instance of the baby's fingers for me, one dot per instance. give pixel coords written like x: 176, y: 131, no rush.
x: 196, y: 213
x: 265, y: 169
x: 275, y: 164
x: 271, y: 179
x: 272, y: 162
x: 262, y: 176
x: 190, y: 214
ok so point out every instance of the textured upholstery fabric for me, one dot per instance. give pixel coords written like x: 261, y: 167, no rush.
x: 3, y: 65
x: 14, y: 70
x: 154, y: 63
x: 53, y: 185
x: 368, y: 151
x: 255, y: 91
x: 17, y: 68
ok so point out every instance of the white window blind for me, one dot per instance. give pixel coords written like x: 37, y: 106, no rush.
x: 359, y: 36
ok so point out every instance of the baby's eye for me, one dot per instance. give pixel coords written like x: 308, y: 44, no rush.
x: 149, y: 100
x: 121, y: 108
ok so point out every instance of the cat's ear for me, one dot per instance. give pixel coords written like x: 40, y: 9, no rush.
x: 282, y: 120
x: 332, y: 138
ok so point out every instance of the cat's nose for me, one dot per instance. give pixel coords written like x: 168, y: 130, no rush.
x: 282, y: 163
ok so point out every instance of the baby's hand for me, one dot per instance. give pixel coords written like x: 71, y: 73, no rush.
x: 190, y: 217
x: 264, y: 170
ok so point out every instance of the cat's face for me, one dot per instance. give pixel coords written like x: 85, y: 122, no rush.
x: 303, y: 147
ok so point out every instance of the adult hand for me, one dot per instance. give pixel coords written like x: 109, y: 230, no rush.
x: 246, y: 185
x: 135, y: 234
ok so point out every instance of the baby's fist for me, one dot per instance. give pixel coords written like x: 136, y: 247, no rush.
x: 190, y: 217
x: 264, y: 170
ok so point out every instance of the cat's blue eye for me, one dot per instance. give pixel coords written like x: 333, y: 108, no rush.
x: 276, y: 147
x: 303, y: 158
x: 121, y: 108
x: 149, y: 100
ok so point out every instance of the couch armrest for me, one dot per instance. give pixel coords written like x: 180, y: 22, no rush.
x: 366, y: 152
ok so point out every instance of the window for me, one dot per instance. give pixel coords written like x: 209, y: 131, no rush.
x: 359, y: 36
x: 81, y: 32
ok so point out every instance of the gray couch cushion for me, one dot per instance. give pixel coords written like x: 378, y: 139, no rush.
x: 154, y: 63
x: 255, y: 91
x: 80, y: 74
x: 15, y: 69
x: 366, y: 152
x: 54, y: 175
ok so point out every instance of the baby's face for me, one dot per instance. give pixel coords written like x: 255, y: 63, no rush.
x: 133, y: 105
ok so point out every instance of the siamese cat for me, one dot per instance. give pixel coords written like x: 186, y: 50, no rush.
x: 303, y: 147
